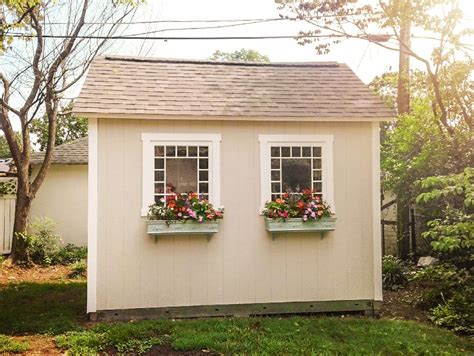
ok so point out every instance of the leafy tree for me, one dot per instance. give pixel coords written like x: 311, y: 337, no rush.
x: 382, y: 23
x: 4, y: 149
x: 50, y: 67
x: 243, y: 55
x: 69, y: 128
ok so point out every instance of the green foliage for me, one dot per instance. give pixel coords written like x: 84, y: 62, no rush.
x: 448, y: 293
x: 393, y: 273
x: 452, y: 236
x: 243, y: 55
x: 43, y: 243
x: 78, y: 269
x: 266, y: 336
x: 69, y: 128
x: 42, y: 308
x: 69, y: 254
x: 8, y: 345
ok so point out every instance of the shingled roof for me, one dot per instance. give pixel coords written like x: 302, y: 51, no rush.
x: 74, y: 152
x: 147, y: 88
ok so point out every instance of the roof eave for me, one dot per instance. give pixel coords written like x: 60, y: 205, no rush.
x: 141, y: 116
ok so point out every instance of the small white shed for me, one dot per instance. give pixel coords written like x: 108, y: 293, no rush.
x: 63, y: 195
x: 257, y: 128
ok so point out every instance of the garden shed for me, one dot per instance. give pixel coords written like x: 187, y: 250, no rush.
x: 63, y: 195
x: 239, y: 135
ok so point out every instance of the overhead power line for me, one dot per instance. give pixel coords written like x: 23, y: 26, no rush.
x: 166, y: 38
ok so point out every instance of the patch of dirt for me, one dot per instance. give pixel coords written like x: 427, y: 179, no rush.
x: 16, y: 274
x: 39, y: 345
x: 402, y: 304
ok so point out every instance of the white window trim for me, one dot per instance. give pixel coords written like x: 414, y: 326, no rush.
x: 150, y: 140
x: 326, y: 143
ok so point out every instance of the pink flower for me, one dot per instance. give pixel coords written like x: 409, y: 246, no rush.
x: 313, y: 214
x: 305, y: 217
x: 200, y: 219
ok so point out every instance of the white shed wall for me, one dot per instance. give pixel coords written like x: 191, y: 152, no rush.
x: 240, y: 264
x: 63, y: 198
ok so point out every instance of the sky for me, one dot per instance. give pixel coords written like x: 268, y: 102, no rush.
x: 367, y: 60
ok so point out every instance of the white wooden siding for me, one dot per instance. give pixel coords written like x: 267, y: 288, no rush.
x: 240, y: 264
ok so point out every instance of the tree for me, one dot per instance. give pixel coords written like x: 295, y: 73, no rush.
x: 438, y: 21
x: 4, y: 149
x: 43, y: 69
x: 243, y: 55
x: 69, y: 128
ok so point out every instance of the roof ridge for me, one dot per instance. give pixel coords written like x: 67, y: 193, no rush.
x: 211, y: 62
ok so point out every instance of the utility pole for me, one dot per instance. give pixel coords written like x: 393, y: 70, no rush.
x: 403, y: 107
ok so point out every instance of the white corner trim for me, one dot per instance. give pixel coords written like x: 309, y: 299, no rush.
x: 376, y: 233
x: 92, y: 218
x: 151, y: 139
x: 326, y: 142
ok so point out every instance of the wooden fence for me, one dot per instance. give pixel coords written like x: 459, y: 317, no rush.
x: 7, y: 213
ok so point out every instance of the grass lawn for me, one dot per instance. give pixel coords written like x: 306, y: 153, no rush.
x: 57, y: 310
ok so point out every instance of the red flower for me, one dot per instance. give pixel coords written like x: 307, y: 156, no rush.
x: 300, y: 205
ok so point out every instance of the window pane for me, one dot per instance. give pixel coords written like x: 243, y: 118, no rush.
x: 159, y: 151
x: 203, y: 151
x: 159, y: 176
x: 296, y: 151
x: 192, y: 151
x: 181, y: 151
x: 285, y: 152
x: 275, y: 196
x: 318, y: 186
x: 275, y: 151
x: 275, y: 175
x: 203, y: 175
x: 296, y: 174
x: 170, y: 151
x: 316, y: 151
x: 159, y: 188
x: 275, y: 163
x: 317, y: 175
x: 181, y: 175
x: 275, y: 187
x: 306, y: 151
x: 204, y: 196
x: 203, y: 163
x: 159, y: 163
x: 317, y: 163
x: 203, y: 188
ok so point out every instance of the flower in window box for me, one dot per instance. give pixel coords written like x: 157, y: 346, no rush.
x: 184, y: 207
x: 306, y: 205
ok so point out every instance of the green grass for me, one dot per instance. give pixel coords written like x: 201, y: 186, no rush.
x: 41, y: 308
x: 59, y: 309
x: 295, y: 335
x: 8, y: 345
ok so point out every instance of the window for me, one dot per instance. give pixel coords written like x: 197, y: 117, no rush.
x: 181, y: 169
x: 292, y: 163
x: 295, y: 168
x: 180, y: 163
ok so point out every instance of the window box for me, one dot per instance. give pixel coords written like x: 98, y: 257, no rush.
x: 298, y: 225
x: 160, y: 227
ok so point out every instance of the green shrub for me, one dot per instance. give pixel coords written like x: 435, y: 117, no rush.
x: 8, y: 345
x: 42, y: 241
x: 69, y: 254
x: 393, y: 273
x: 78, y: 269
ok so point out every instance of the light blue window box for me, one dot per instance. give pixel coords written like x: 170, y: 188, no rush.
x: 161, y: 228
x: 298, y: 225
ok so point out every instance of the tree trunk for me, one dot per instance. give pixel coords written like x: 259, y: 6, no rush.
x: 403, y: 107
x: 22, y: 210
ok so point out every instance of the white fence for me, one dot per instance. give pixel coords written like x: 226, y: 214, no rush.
x: 7, y: 213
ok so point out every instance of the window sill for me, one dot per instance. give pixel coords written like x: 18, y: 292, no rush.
x: 160, y: 228
x: 298, y: 225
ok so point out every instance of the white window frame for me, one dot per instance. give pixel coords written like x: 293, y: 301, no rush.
x: 150, y: 140
x: 326, y: 143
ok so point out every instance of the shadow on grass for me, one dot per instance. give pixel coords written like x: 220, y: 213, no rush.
x: 40, y: 308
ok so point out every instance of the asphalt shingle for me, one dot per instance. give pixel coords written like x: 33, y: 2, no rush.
x: 74, y: 152
x: 159, y: 87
